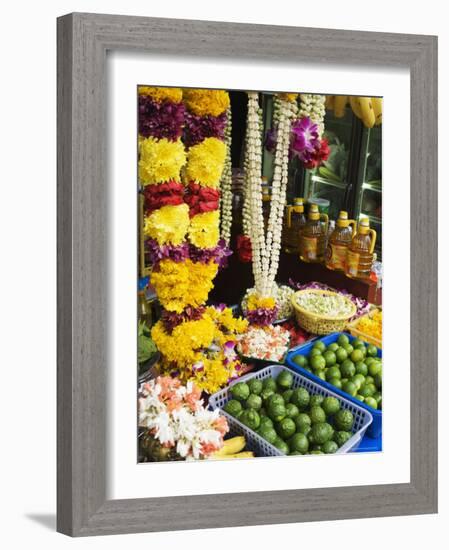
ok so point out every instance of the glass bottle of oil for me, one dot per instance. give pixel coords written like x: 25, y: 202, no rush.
x: 294, y: 222
x: 340, y: 239
x: 312, y: 242
x: 360, y: 255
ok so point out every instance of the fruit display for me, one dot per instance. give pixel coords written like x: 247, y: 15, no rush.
x: 368, y: 109
x: 292, y: 419
x: 351, y: 366
x: 232, y: 448
x: 269, y: 343
x: 282, y: 295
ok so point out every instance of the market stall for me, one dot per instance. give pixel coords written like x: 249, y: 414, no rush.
x: 260, y: 319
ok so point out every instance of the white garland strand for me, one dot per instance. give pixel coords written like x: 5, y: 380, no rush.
x: 226, y: 185
x: 313, y: 107
x: 266, y: 249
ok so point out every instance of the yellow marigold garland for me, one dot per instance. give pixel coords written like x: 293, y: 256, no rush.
x: 182, y: 284
x: 205, y: 162
x: 160, y: 160
x: 161, y: 94
x: 206, y: 102
x: 204, y: 231
x: 286, y: 96
x: 168, y: 225
x: 256, y: 302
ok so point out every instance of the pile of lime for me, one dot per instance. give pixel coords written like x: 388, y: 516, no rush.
x: 292, y: 420
x: 350, y: 366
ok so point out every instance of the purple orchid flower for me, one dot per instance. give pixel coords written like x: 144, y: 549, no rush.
x: 304, y: 136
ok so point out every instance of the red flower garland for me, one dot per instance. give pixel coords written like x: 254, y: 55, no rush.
x: 157, y: 196
x: 201, y: 199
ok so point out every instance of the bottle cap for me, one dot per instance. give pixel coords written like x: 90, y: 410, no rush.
x: 364, y: 226
x: 314, y: 213
x: 342, y: 219
x: 298, y: 201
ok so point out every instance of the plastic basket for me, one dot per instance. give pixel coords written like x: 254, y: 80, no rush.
x: 353, y: 329
x: 375, y: 430
x: 321, y: 324
x: 362, y: 417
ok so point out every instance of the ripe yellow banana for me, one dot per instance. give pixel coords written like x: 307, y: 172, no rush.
x: 367, y: 111
x: 377, y: 108
x: 340, y: 105
x: 354, y: 102
x: 231, y: 446
x: 245, y: 454
x: 330, y: 102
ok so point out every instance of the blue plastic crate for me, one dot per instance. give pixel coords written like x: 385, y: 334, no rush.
x: 375, y: 429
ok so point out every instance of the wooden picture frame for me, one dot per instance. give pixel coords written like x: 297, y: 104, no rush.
x: 83, y: 41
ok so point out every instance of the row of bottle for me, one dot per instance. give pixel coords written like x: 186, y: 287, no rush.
x: 346, y: 249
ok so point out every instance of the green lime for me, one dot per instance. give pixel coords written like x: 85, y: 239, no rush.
x: 341, y: 355
x: 317, y: 414
x: 304, y: 430
x: 330, y: 447
x: 254, y: 402
x: 250, y: 418
x: 341, y: 437
x: 344, y: 380
x: 357, y: 342
x: 300, y: 360
x: 316, y: 400
x: 377, y: 396
x: 366, y: 391
x: 371, y: 402
x: 284, y: 380
x: 269, y: 383
x: 333, y: 372
x: 369, y: 360
x: 361, y: 368
x: 359, y: 397
x: 239, y: 391
x: 343, y: 339
x: 292, y: 410
x: 349, y: 387
x: 314, y: 353
x: 316, y: 452
x: 357, y: 355
x: 268, y: 433
x: 281, y: 445
x: 369, y: 379
x: 255, y: 386
x: 378, y: 381
x: 344, y: 420
x: 320, y: 345
x: 277, y: 412
x: 266, y: 394
x: 371, y: 351
x: 299, y: 443
x: 331, y: 405
x: 265, y: 422
x: 320, y: 433
x: 349, y: 348
x: 333, y: 347
x: 285, y: 428
x: 308, y: 369
x: 302, y: 420
x: 330, y: 358
x: 287, y: 395
x: 275, y: 399
x: 375, y: 368
x: 358, y: 380
x: 301, y: 398
x: 318, y: 362
x: 336, y: 382
x: 347, y: 368
x: 233, y: 407
x: 320, y: 374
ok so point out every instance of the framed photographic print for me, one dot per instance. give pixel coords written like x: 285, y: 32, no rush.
x: 247, y: 249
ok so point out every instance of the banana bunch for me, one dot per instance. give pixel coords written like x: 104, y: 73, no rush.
x: 232, y: 448
x: 368, y: 109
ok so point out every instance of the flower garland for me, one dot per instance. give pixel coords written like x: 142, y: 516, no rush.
x: 226, y: 185
x: 266, y: 248
x: 174, y: 415
x: 180, y: 179
x: 313, y: 106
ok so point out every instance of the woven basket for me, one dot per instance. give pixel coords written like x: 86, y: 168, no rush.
x: 321, y: 324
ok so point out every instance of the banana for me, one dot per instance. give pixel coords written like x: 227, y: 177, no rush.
x: 231, y: 446
x: 354, y: 102
x: 340, y: 105
x: 377, y: 108
x: 367, y: 111
x: 245, y: 454
x: 330, y: 101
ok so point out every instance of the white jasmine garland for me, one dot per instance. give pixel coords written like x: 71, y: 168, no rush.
x: 226, y: 185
